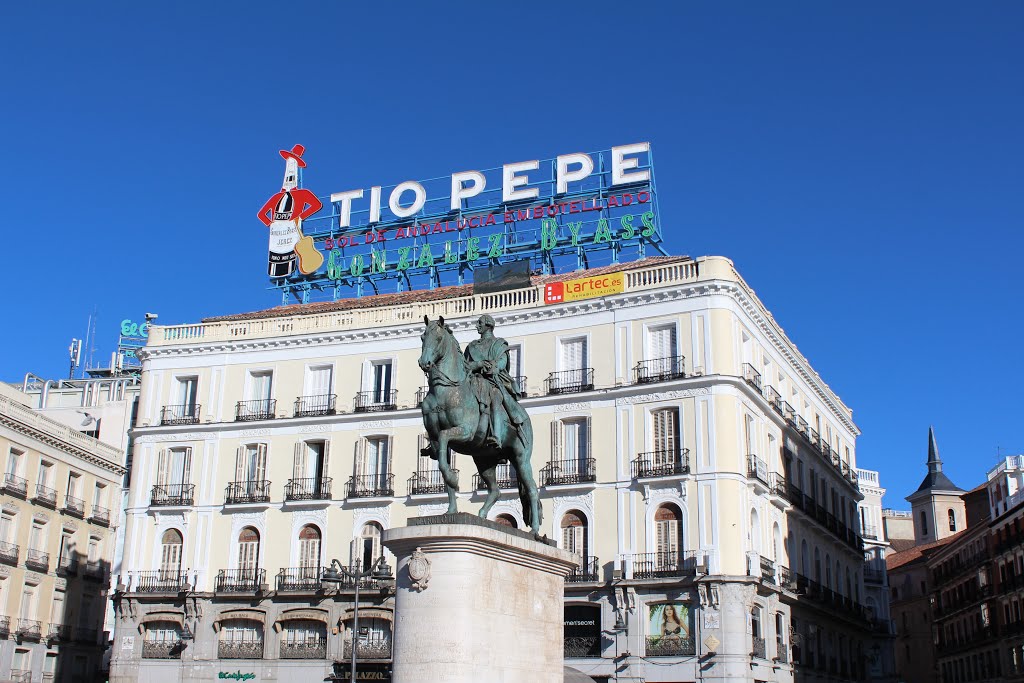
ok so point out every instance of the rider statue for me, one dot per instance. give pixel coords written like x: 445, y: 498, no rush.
x: 487, y: 359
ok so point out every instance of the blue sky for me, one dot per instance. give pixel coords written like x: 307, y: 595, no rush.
x: 862, y: 164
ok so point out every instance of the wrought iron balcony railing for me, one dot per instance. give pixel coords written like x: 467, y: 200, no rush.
x: 46, y: 496
x: 309, y: 406
x: 664, y: 564
x: 255, y: 491
x: 29, y: 628
x: 429, y: 481
x: 96, y: 570
x: 375, y: 401
x: 172, y: 494
x: 752, y: 376
x: 570, y: 381
x: 757, y: 469
x: 520, y: 385
x: 162, y: 649
x: 100, y: 515
x: 308, y: 489
x: 774, y: 399
x: 670, y: 646
x: 15, y: 485
x: 575, y: 471
x: 21, y: 676
x: 299, y: 579
x: 667, y: 463
x: 244, y: 649
x: 421, y: 394
x: 586, y: 570
x: 659, y: 369
x: 59, y: 632
x: 5, y: 626
x: 504, y: 475
x: 581, y: 646
x: 8, y: 552
x: 258, y: 409
x: 240, y: 580
x: 159, y: 581
x: 74, y: 506
x: 767, y: 570
x: 758, y: 648
x: 870, y: 531
x: 310, y: 649
x: 370, y: 486
x: 186, y: 414
x: 67, y: 563
x: 369, y: 648
x: 37, y: 559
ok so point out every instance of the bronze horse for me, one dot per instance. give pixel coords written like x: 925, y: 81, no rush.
x: 453, y: 417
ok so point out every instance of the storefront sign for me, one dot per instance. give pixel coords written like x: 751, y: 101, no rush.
x: 379, y: 673
x: 568, y: 213
x: 235, y: 676
x: 584, y: 288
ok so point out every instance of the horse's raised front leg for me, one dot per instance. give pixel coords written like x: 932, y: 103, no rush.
x: 487, y: 473
x: 451, y: 482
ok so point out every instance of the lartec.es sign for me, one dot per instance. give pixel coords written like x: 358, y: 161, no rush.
x: 571, y: 212
x: 583, y: 288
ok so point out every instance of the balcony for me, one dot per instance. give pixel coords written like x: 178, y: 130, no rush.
x: 578, y: 471
x: 21, y: 676
x: 74, y: 506
x: 369, y: 648
x: 782, y: 651
x: 162, y: 649
x: 581, y: 647
x: 659, y: 370
x: 375, y: 401
x: 45, y: 496
x: 30, y: 629
x: 311, y: 406
x: 5, y: 627
x: 430, y: 481
x: 758, y: 649
x: 172, y: 494
x: 520, y: 385
x: 228, y: 649
x: 569, y: 381
x: 100, y: 515
x: 504, y: 475
x: 767, y: 570
x: 187, y: 414
x: 259, y: 409
x: 67, y: 563
x: 310, y: 649
x: 668, y: 463
x: 96, y: 570
x: 240, y: 580
x: 86, y: 635
x: 308, y: 489
x: 59, y: 633
x: 256, y: 491
x: 161, y: 581
x: 752, y: 377
x: 757, y: 469
x: 670, y: 646
x: 421, y: 394
x: 15, y: 485
x: 664, y: 564
x: 8, y: 552
x: 37, y: 559
x: 774, y: 399
x: 870, y: 531
x: 778, y: 485
x: 371, y: 486
x: 305, y: 579
x: 586, y: 570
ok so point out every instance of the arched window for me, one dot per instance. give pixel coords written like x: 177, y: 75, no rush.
x: 924, y: 523
x: 303, y: 639
x: 776, y: 542
x: 507, y: 520
x: 374, y: 638
x: 952, y: 520
x: 248, y: 549
x: 828, y: 571
x: 754, y: 532
x: 370, y: 544
x: 574, y: 533
x: 170, y: 553
x: 309, y: 551
x: 668, y: 535
x: 817, y: 565
x: 163, y: 640
x: 240, y: 639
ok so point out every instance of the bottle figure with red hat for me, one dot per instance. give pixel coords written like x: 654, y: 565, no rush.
x: 283, y: 214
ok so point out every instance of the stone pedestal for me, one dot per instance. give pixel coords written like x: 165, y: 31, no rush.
x: 476, y: 602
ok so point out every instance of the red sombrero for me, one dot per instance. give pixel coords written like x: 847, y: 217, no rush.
x: 295, y: 153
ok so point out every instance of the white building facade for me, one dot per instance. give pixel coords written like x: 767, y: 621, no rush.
x: 684, y: 448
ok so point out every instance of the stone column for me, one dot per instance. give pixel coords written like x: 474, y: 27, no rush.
x: 476, y: 601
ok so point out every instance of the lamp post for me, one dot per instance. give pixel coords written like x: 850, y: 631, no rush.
x: 336, y: 573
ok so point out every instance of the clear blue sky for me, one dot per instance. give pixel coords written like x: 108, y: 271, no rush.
x: 862, y: 163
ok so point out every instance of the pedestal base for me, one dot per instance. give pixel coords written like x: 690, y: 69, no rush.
x: 490, y: 610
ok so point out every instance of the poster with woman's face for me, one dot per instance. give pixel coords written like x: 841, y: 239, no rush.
x: 671, y: 619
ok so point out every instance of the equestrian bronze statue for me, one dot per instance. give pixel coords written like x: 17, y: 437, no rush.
x: 472, y: 407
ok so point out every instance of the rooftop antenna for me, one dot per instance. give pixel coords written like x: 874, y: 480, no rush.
x: 75, y: 352
x: 90, y: 340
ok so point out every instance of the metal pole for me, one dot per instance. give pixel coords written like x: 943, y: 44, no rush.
x: 355, y: 627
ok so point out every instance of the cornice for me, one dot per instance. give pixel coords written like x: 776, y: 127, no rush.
x: 61, y: 445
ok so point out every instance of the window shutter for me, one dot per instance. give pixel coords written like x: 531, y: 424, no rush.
x: 586, y: 443
x: 324, y: 469
x: 556, y: 440
x: 424, y: 463
x: 240, y: 464
x: 385, y: 461
x: 261, y: 462
x: 186, y: 468
x: 360, y: 458
x: 162, y: 467
x: 299, y: 461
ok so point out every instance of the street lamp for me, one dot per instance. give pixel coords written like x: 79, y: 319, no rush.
x: 336, y: 573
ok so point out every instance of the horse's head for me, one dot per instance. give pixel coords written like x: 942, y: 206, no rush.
x: 434, y: 342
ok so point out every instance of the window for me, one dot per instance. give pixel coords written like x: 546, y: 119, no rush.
x: 662, y: 355
x: 574, y: 533
x: 318, y: 381
x: 665, y: 436
x: 240, y: 639
x: 99, y: 496
x: 94, y: 550
x: 28, y: 603
x: 251, y: 462
x: 952, y: 520
x: 170, y: 553
x: 261, y: 386
x: 22, y: 661
x: 304, y: 639
x: 369, y: 545
x: 49, y: 666
x: 14, y: 462
x: 668, y: 539
x: 173, y: 469
x: 574, y: 354
x: 187, y: 392
x: 780, y: 633
x: 248, y: 549
x: 380, y: 381
x: 515, y: 362
x: 37, y: 537
x: 309, y: 551
x: 373, y: 462
x: 45, y: 473
x: 755, y: 621
x: 507, y: 520
x: 7, y: 528
x: 57, y: 615
x: 67, y: 548
x: 573, y: 449
x: 310, y: 463
x: 924, y: 524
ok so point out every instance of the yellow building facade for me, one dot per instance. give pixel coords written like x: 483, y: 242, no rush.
x: 684, y: 448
